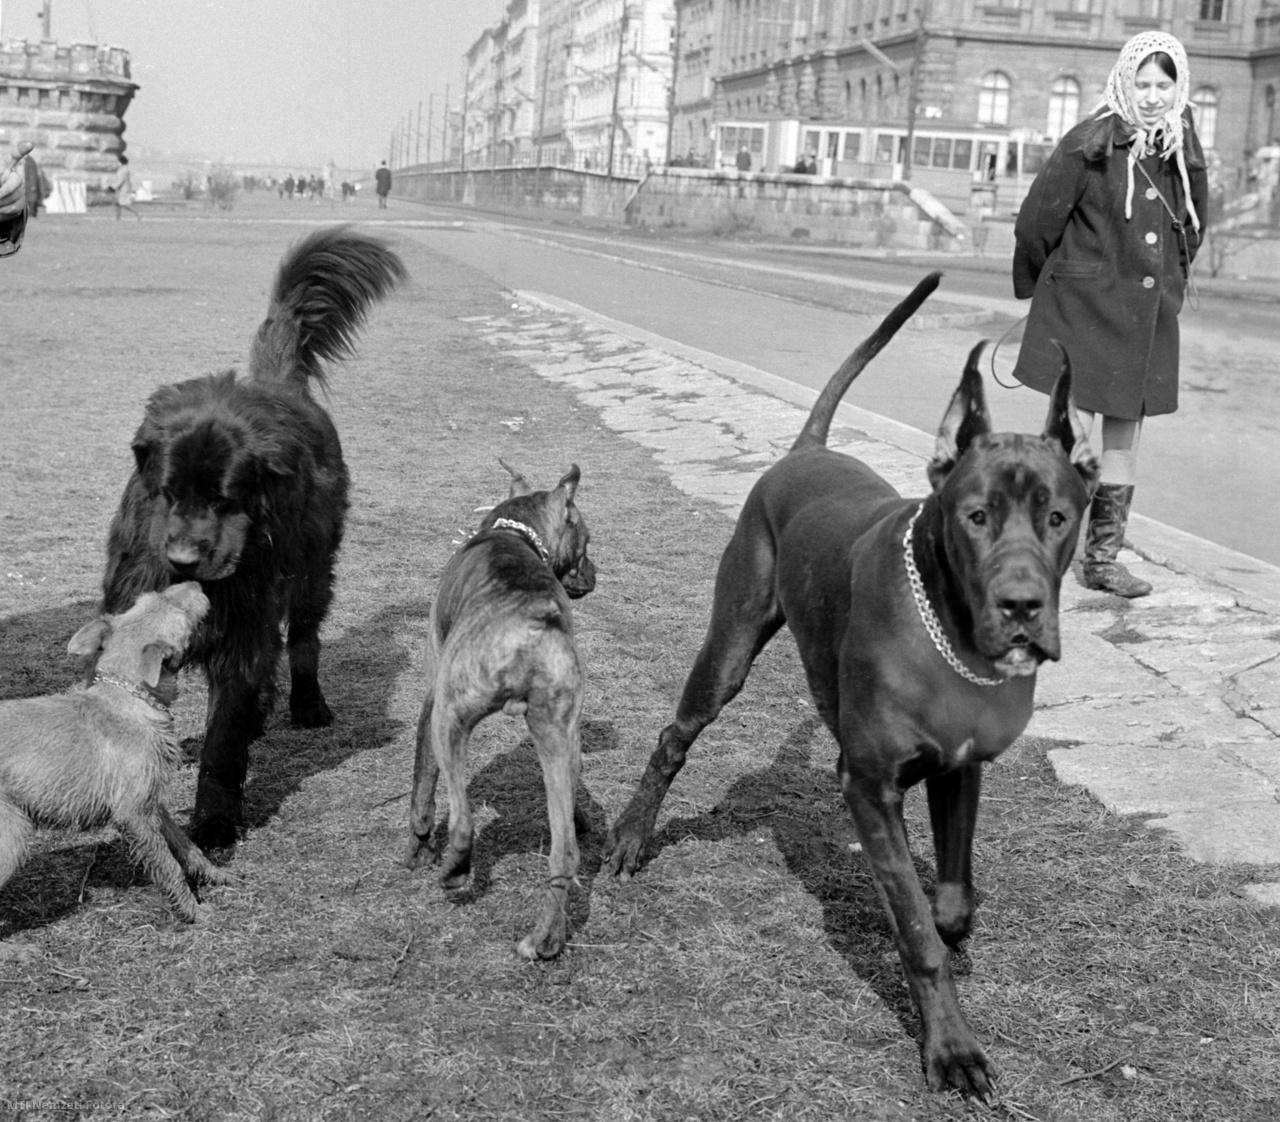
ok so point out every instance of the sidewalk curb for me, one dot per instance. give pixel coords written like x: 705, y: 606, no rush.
x: 1255, y: 583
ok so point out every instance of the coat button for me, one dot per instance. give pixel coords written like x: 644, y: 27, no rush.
x: 1148, y: 282
x: 1151, y: 238
x: 1151, y: 193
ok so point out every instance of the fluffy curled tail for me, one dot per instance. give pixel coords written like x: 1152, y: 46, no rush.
x: 323, y: 291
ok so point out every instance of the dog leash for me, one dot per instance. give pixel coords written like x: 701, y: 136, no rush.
x: 527, y: 532
x: 929, y: 617
x: 140, y: 692
x: 1015, y: 384
x: 1180, y: 230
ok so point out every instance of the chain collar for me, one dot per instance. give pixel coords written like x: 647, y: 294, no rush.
x: 929, y: 617
x: 138, y: 691
x: 526, y: 531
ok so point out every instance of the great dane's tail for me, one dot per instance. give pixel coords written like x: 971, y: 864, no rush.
x: 815, y: 428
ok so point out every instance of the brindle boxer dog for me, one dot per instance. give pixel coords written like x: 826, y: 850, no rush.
x: 501, y: 638
x: 920, y: 625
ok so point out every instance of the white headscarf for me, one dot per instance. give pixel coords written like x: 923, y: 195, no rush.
x: 1165, y: 136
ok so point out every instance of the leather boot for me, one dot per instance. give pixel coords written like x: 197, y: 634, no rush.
x: 1108, y: 517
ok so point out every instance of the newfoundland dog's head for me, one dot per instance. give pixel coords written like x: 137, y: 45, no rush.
x: 210, y: 474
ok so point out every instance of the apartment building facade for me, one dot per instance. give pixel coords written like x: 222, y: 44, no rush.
x: 571, y: 82
x: 961, y: 91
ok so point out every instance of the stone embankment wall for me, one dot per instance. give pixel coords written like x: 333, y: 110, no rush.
x: 879, y: 212
x: 589, y: 193
x: 69, y: 101
x: 876, y: 212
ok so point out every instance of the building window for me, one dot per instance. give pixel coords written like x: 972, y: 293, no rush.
x: 1213, y: 11
x: 1204, y: 108
x: 1147, y: 9
x: 1064, y: 106
x: 993, y: 99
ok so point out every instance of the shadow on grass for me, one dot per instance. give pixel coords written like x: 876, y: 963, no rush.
x: 359, y: 670
x: 802, y: 806
x: 33, y: 650
x: 511, y: 785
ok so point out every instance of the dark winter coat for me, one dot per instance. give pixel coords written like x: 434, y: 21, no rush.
x: 382, y: 178
x: 1107, y: 288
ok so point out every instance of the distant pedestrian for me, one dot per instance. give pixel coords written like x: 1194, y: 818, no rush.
x: 123, y: 186
x: 382, y: 179
x: 1104, y: 245
x: 744, y: 158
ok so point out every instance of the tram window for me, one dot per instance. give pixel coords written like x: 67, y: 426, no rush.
x: 1034, y: 157
x: 852, y: 145
x: 941, y: 151
x: 884, y: 148
x: 962, y: 154
x: 920, y: 151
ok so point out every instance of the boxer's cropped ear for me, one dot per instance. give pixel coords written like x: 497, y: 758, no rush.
x: 965, y: 420
x: 519, y: 485
x: 1063, y: 425
x: 569, y: 484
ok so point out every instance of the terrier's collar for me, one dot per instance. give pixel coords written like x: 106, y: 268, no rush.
x: 139, y: 691
x: 528, y: 532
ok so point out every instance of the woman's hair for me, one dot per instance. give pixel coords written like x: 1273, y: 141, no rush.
x: 1163, y: 61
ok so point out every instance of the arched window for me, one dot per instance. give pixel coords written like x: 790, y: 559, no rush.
x: 862, y: 94
x: 1064, y: 106
x: 993, y: 99
x: 1204, y: 108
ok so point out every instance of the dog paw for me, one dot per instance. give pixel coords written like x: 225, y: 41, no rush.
x: 213, y: 876
x: 418, y: 852
x: 310, y: 712
x: 213, y: 831
x: 532, y: 948
x: 456, y: 869
x: 622, y: 854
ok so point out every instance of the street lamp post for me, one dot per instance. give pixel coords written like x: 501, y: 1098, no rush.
x: 617, y: 83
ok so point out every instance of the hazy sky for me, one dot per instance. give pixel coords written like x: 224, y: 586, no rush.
x: 284, y: 81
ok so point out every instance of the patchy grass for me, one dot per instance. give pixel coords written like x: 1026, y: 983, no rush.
x: 747, y: 972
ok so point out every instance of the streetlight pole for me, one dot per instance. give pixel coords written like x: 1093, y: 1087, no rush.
x: 913, y: 90
x: 617, y: 82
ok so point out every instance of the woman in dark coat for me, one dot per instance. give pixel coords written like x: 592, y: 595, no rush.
x: 1105, y: 241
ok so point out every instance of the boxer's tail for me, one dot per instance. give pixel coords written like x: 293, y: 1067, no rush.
x: 815, y: 428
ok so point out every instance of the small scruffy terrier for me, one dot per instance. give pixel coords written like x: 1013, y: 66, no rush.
x: 106, y: 753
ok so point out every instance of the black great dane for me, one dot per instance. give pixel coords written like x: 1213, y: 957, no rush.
x: 920, y: 624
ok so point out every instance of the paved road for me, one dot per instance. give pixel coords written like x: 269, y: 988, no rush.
x: 1207, y: 470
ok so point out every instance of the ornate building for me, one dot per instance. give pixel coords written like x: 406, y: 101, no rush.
x: 70, y: 102
x: 571, y: 81
x: 952, y: 91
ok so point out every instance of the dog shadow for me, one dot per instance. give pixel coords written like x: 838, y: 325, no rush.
x: 359, y: 670
x: 511, y: 785
x: 33, y: 650
x: 803, y: 809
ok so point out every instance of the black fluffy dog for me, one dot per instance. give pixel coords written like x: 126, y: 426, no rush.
x: 240, y: 484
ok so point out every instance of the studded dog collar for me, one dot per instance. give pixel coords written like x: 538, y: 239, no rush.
x: 138, y: 691
x: 527, y: 532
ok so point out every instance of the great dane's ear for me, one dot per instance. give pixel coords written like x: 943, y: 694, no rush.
x: 569, y: 484
x: 1063, y: 425
x: 88, y: 641
x: 965, y: 420
x: 519, y: 484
